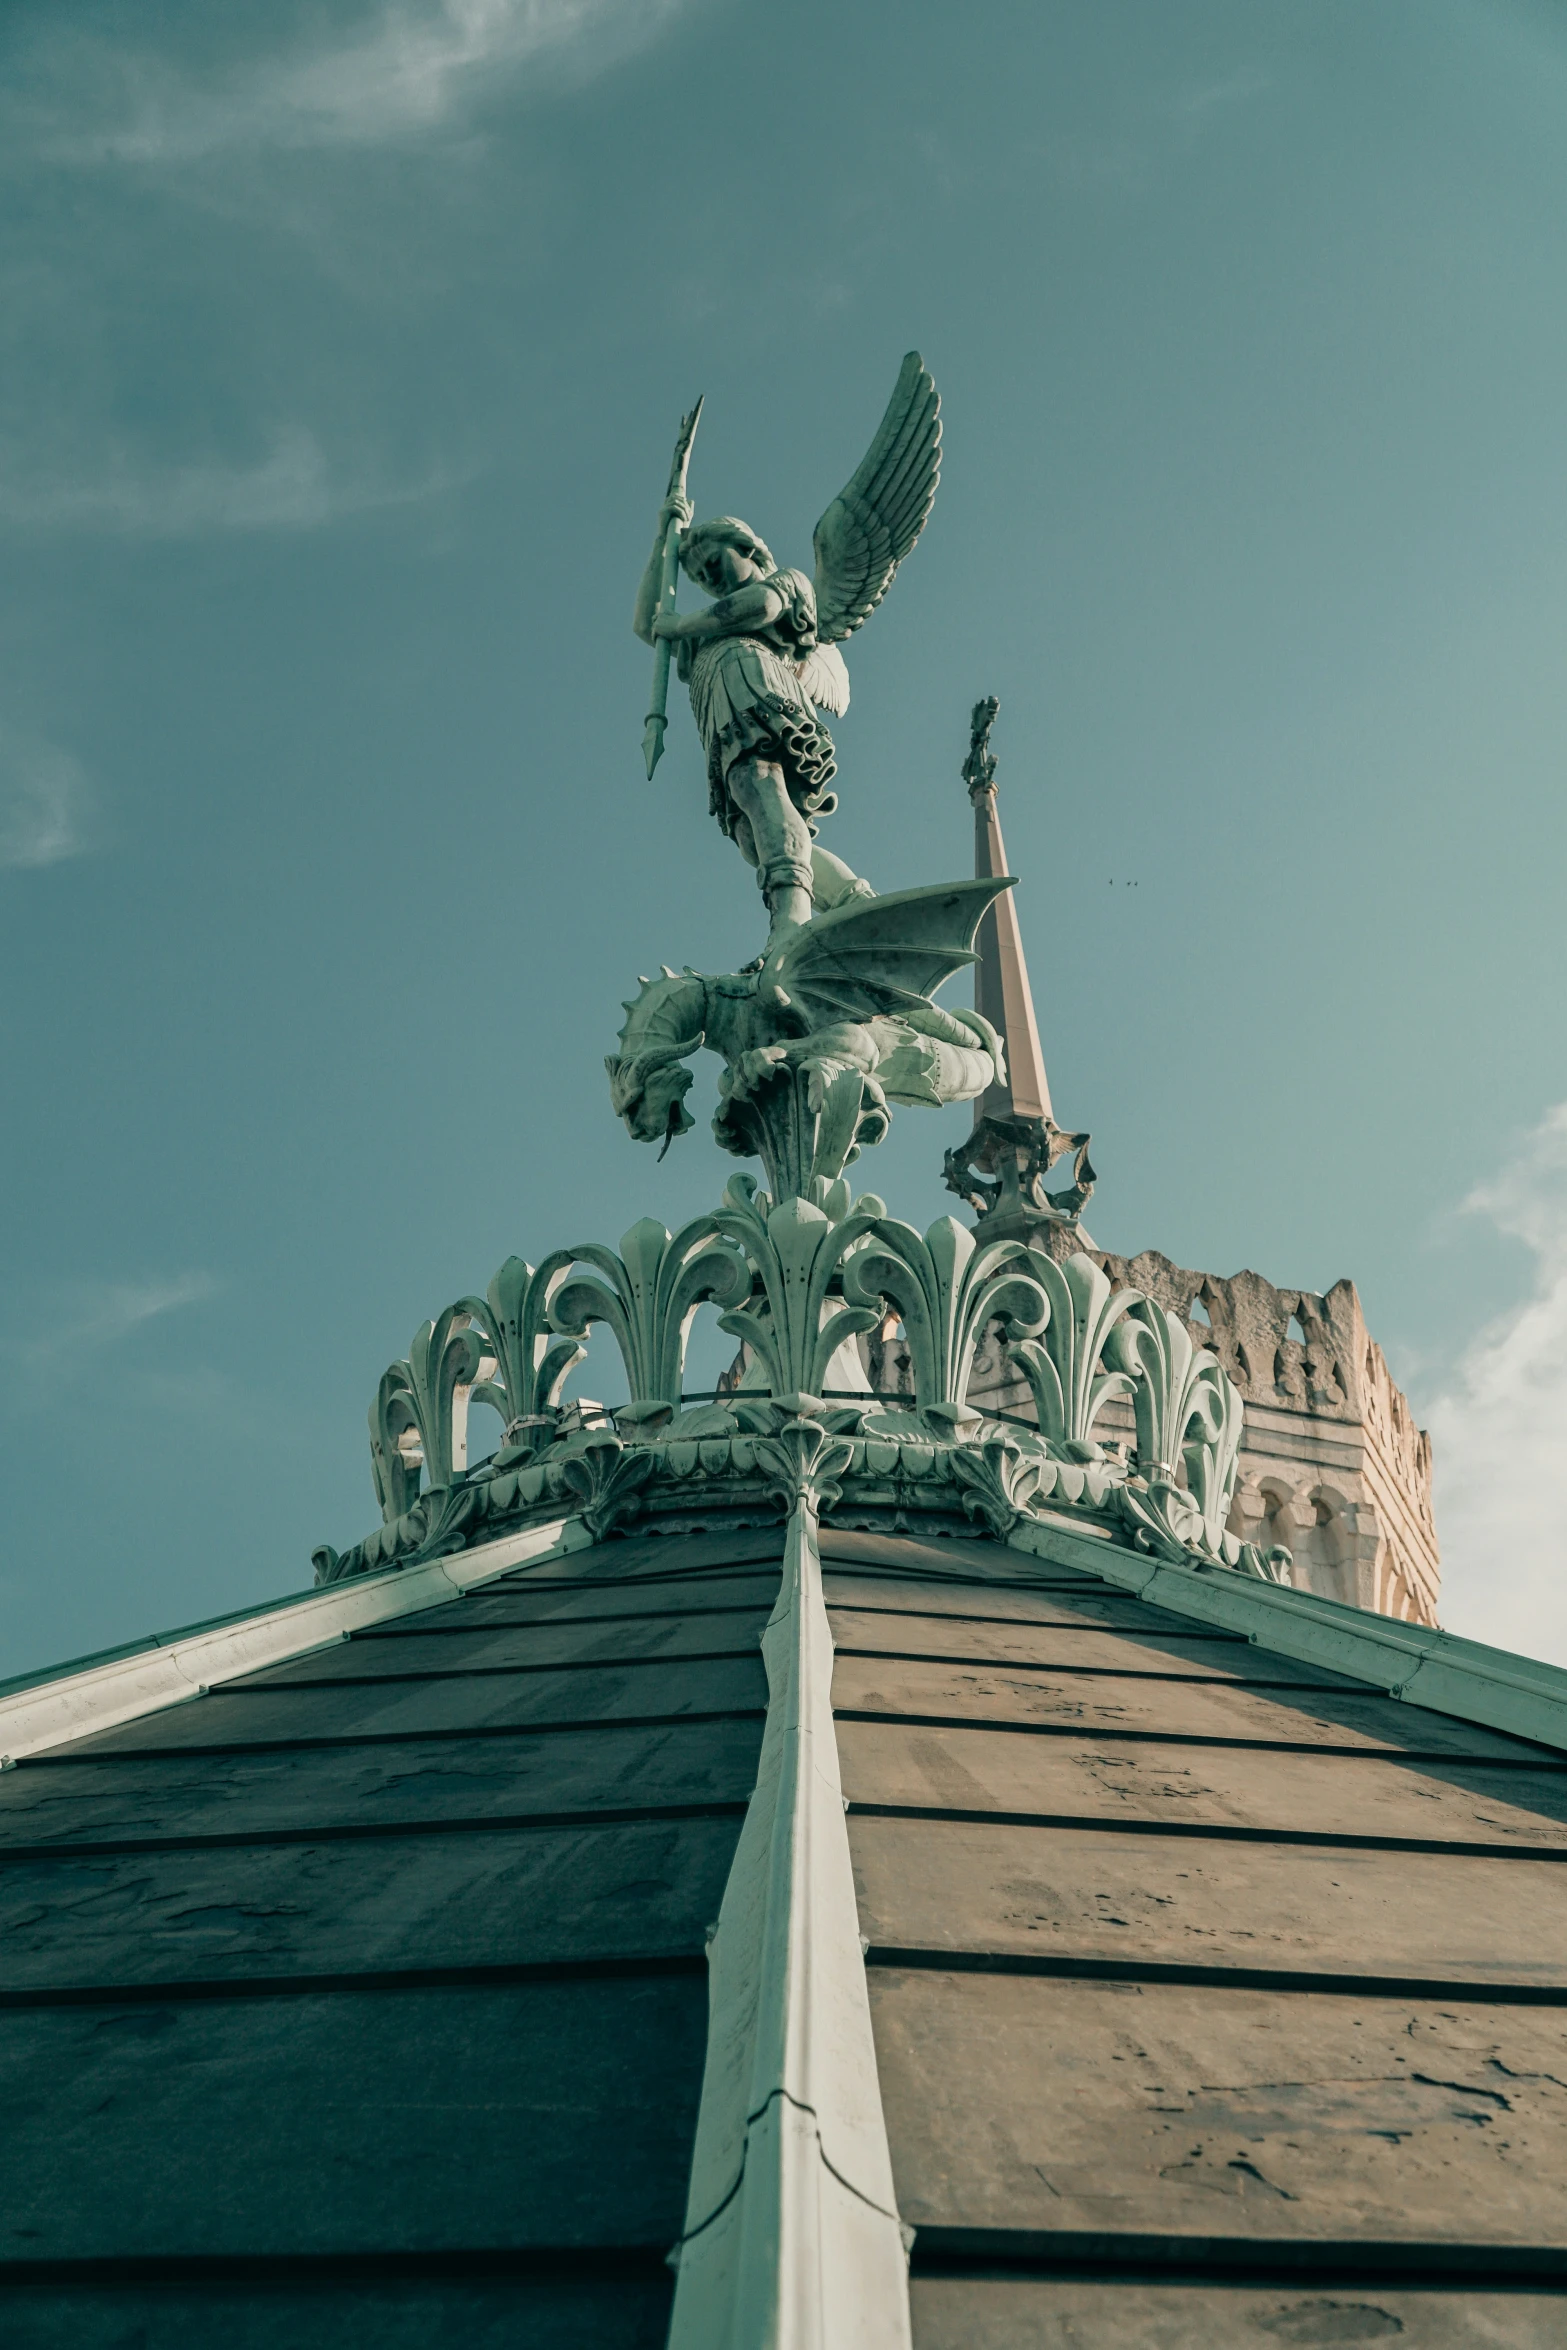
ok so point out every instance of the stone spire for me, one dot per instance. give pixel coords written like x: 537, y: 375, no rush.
x: 1015, y: 1140
x: 1001, y: 989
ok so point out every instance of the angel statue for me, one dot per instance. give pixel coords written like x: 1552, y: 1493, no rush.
x: 762, y: 661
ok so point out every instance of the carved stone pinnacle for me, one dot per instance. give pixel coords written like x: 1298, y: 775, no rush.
x: 979, y: 768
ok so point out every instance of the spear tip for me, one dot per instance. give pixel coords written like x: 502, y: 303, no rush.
x: 653, y: 740
x: 688, y: 425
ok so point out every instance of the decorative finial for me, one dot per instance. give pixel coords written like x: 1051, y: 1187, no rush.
x: 979, y: 768
x: 1015, y: 1142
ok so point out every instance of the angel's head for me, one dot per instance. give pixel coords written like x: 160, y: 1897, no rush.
x: 724, y: 554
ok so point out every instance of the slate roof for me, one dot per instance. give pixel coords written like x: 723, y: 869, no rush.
x: 1218, y: 1998
x: 365, y: 2000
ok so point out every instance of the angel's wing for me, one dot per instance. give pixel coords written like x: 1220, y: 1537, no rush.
x: 879, y: 955
x: 825, y: 678
x: 870, y: 526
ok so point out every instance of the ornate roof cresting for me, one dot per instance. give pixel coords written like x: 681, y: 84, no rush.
x: 803, y: 1283
x: 832, y: 1025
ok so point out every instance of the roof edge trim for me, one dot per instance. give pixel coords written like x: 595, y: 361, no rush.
x: 79, y: 1699
x: 1518, y: 1695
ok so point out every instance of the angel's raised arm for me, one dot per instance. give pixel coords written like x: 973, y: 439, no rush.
x: 871, y: 525
x: 753, y: 606
x: 676, y: 508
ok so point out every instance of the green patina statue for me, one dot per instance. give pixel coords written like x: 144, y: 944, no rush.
x: 762, y: 661
x: 834, y: 1025
x: 820, y: 1037
x: 834, y: 1021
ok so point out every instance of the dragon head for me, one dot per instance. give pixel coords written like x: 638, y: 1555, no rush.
x: 648, y: 1090
x: 647, y: 1082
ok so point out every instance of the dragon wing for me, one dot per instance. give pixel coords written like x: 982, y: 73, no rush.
x: 875, y: 956
x: 871, y: 525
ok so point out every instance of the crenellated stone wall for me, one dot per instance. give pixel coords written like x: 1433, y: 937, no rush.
x: 1332, y: 1464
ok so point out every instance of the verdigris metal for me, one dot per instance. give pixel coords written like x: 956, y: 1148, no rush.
x: 762, y: 661
x: 648, y: 1297
x: 525, y: 1363
x: 412, y: 1420
x: 833, y: 1024
x: 803, y: 1282
x: 792, y: 2234
x: 89, y: 1695
x: 604, y: 1481
x: 1067, y: 1367
x: 1000, y: 1170
x: 669, y: 565
x: 1187, y: 1411
x: 817, y: 1040
x: 1463, y: 1679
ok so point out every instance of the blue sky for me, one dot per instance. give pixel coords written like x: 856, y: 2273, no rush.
x: 343, y: 347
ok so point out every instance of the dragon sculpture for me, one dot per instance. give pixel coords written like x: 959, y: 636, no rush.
x: 832, y: 1026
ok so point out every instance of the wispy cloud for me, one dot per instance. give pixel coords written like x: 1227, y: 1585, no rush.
x: 102, y: 1316
x: 252, y: 120
x: 1499, y: 1427
x: 45, y: 802
x: 400, y: 71
x: 62, y: 1335
x: 294, y: 487
x: 63, y: 1332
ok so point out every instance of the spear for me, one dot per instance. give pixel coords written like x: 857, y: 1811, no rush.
x: 657, y: 717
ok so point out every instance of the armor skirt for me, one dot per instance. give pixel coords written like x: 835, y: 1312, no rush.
x: 748, y: 704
